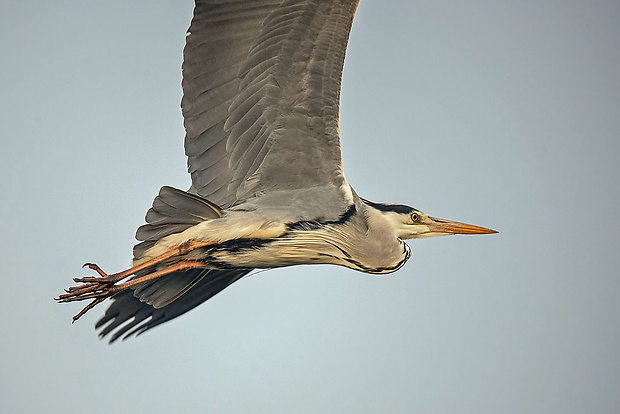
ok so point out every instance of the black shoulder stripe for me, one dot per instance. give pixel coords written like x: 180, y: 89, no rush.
x: 308, y: 225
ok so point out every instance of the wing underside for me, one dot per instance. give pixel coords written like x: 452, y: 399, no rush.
x: 128, y: 316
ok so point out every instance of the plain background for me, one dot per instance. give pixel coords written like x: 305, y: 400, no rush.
x: 503, y: 114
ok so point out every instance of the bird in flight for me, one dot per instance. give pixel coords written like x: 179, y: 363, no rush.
x: 261, y: 96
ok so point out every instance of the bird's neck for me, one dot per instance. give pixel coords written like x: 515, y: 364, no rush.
x: 376, y: 249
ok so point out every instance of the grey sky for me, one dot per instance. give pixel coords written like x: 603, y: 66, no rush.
x: 502, y: 114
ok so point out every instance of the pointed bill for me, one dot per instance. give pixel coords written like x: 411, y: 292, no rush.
x: 438, y: 225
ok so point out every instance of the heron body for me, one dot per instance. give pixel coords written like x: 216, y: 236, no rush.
x: 261, y: 96
x: 361, y: 238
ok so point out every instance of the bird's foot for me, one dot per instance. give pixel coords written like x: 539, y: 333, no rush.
x: 104, y: 286
x: 100, y: 288
x: 96, y: 288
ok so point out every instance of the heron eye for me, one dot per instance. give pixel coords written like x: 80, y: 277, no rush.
x: 415, y: 217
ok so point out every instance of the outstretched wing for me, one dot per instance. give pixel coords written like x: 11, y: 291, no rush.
x: 261, y: 91
x: 261, y: 84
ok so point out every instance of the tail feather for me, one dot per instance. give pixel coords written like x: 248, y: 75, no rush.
x: 173, y: 211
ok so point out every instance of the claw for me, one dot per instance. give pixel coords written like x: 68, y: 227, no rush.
x: 87, y: 308
x: 87, y: 295
x: 97, y: 288
x: 78, y: 292
x: 74, y: 288
x: 96, y: 268
x: 90, y: 279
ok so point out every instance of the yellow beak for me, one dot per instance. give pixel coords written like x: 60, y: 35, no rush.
x: 437, y: 225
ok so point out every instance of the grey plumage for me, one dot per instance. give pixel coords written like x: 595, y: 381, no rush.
x: 243, y: 63
x: 261, y: 96
x: 273, y: 99
x: 173, y: 211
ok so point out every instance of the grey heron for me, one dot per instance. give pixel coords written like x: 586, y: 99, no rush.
x: 261, y: 96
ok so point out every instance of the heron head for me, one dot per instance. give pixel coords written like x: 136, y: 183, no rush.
x: 410, y: 223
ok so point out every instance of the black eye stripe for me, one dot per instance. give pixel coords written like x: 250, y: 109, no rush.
x: 396, y: 208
